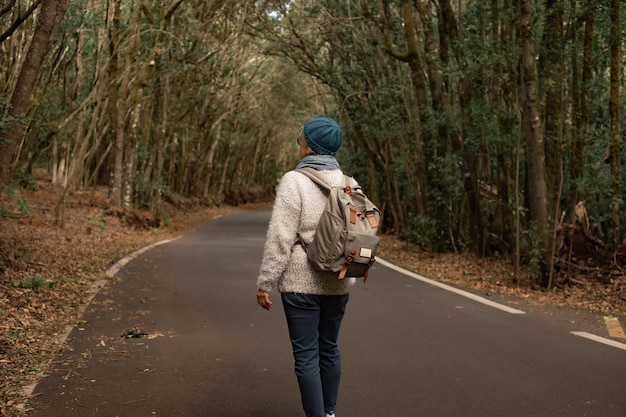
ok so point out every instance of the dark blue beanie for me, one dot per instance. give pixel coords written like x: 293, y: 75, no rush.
x: 323, y: 135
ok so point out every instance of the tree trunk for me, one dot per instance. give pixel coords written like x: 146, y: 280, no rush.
x: 551, y: 75
x: 453, y: 132
x: 130, y: 96
x: 533, y: 137
x: 502, y: 95
x: 22, y: 16
x: 115, y: 107
x: 210, y: 160
x: 412, y: 57
x: 581, y: 105
x: 161, y: 112
x: 135, y: 89
x: 615, y: 144
x: 222, y: 185
x: 50, y: 18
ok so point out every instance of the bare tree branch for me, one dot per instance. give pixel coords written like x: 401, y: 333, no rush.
x: 20, y: 19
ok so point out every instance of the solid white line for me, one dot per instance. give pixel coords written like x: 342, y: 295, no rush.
x: 120, y: 264
x: 449, y: 288
x: 603, y: 340
x: 95, y: 288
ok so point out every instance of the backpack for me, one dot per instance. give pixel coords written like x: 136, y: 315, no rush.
x: 345, y: 239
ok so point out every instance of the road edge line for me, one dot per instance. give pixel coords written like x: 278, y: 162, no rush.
x: 122, y: 262
x: 449, y: 288
x: 600, y: 339
x: 94, y: 289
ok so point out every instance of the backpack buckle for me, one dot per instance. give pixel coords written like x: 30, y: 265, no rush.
x: 344, y: 269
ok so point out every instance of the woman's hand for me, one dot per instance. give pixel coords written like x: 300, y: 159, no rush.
x: 263, y: 298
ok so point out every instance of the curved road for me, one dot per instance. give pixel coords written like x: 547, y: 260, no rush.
x: 410, y: 348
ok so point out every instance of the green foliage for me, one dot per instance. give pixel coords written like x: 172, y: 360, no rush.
x: 215, y: 88
x: 15, y: 200
x: 420, y: 231
x: 532, y: 252
x: 446, y: 198
x: 354, y: 163
x: 10, y: 191
x: 97, y: 223
x: 26, y: 181
x: 34, y: 283
x: 167, y: 220
x: 143, y: 193
x: 596, y: 184
x: 6, y: 121
x: 23, y: 205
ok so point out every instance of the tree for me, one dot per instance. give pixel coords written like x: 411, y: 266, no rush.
x: 533, y: 137
x: 552, y: 85
x: 50, y: 17
x: 615, y: 41
x: 446, y: 109
x: 581, y: 79
x: 21, y: 17
x: 115, y: 108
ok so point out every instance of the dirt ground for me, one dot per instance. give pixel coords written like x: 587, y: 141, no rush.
x: 50, y: 269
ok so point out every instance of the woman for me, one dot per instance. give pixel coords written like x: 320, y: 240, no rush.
x: 314, y: 302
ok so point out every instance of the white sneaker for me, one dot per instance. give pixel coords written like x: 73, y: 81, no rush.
x: 330, y: 415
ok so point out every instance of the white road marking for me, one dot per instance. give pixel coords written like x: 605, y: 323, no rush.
x: 599, y: 339
x: 446, y: 287
x: 120, y: 264
x: 95, y: 288
x: 490, y: 303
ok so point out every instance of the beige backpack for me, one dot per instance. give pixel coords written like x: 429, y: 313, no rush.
x: 345, y: 239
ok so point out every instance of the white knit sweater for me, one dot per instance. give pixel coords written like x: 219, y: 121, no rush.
x: 298, y: 206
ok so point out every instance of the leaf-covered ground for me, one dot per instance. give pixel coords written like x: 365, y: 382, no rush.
x: 489, y: 277
x: 49, y: 272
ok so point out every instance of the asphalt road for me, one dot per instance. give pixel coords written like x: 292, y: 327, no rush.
x: 410, y: 348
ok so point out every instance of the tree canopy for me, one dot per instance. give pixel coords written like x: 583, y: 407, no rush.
x: 489, y: 127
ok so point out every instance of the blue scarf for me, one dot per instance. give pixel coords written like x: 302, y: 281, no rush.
x: 319, y: 162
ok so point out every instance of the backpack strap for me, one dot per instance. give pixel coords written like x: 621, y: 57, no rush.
x: 348, y: 187
x: 319, y: 179
x: 316, y: 177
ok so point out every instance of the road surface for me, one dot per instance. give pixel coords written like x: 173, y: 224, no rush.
x: 410, y: 347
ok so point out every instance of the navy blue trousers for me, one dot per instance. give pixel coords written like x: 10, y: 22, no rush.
x: 314, y: 322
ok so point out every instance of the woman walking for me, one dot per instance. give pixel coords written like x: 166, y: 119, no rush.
x: 314, y: 302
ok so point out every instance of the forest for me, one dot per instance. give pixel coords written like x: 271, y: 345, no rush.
x: 493, y: 128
